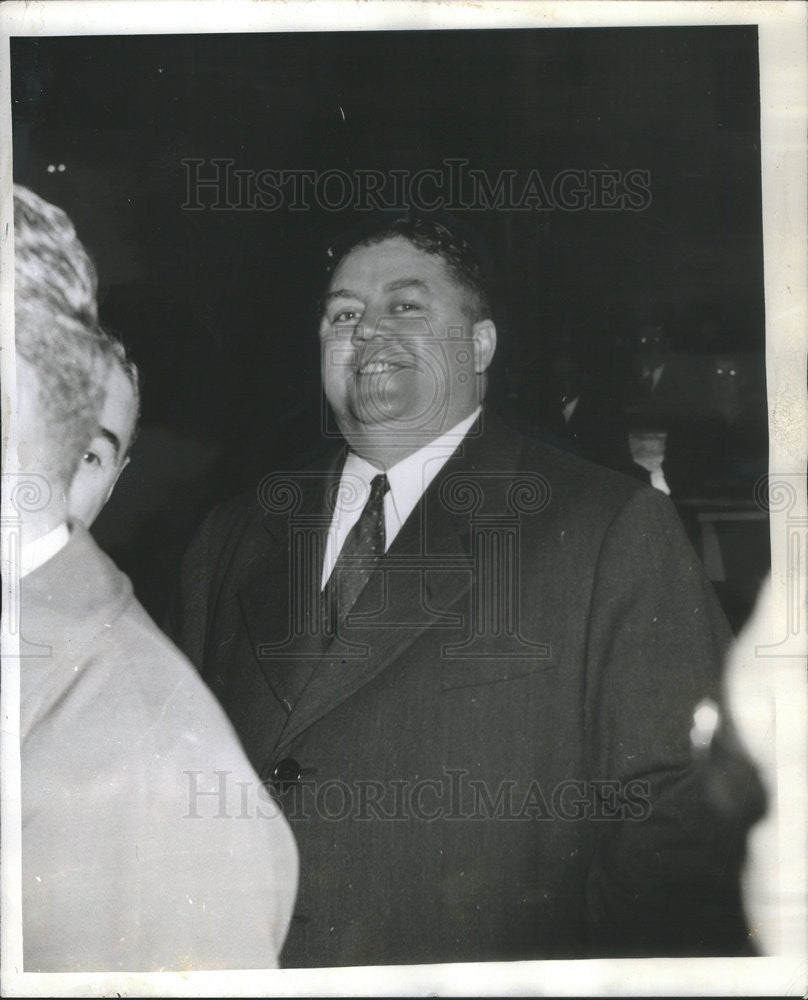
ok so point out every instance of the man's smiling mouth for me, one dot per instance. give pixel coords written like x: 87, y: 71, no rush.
x: 379, y: 367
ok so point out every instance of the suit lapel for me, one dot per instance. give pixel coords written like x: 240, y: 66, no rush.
x: 279, y: 592
x: 419, y: 584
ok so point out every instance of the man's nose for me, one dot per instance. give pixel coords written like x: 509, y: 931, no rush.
x: 367, y: 328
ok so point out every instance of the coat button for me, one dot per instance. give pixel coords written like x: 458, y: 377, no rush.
x: 286, y: 773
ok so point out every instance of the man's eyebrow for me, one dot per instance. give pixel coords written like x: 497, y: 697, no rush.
x: 400, y: 283
x: 340, y: 293
x: 392, y: 286
x: 113, y: 440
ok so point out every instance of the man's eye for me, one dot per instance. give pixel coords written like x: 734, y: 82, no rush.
x: 91, y: 458
x: 345, y: 316
x: 400, y: 307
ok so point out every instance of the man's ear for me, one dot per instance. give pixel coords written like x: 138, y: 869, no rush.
x: 484, y: 335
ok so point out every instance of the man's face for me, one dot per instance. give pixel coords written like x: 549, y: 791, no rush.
x: 106, y: 455
x: 727, y: 385
x: 401, y: 360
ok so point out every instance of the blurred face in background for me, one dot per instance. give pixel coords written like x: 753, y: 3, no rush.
x: 727, y: 386
x: 567, y: 377
x: 106, y: 455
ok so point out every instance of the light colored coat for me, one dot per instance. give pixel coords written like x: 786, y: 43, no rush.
x: 127, y: 863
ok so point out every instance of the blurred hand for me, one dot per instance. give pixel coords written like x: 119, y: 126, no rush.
x: 756, y: 687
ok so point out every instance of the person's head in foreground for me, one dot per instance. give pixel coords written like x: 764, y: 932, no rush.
x: 62, y: 361
x: 107, y: 454
x: 406, y: 336
x: 114, y: 720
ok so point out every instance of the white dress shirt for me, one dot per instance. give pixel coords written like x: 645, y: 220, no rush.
x: 569, y: 409
x: 409, y: 479
x: 36, y: 553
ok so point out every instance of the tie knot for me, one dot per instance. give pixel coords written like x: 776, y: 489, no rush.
x: 378, y: 487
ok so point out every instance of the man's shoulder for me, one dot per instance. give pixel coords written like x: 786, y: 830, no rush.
x: 578, y: 476
x: 568, y: 482
x: 105, y: 653
x: 78, y: 583
x: 280, y: 491
x: 164, y: 692
x: 575, y: 483
x: 145, y: 684
x: 243, y: 508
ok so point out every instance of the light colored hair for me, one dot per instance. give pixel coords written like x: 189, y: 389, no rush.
x: 56, y: 327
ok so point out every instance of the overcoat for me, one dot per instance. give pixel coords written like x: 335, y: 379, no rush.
x: 137, y: 854
x: 491, y: 759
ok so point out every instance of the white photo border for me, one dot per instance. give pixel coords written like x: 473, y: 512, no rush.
x: 783, y: 42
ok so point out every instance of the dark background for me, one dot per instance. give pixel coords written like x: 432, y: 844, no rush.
x: 218, y: 307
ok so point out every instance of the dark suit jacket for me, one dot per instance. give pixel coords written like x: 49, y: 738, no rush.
x: 494, y: 757
x: 596, y: 431
x: 142, y: 845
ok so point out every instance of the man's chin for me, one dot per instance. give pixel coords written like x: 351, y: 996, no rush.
x: 396, y: 422
x: 383, y: 442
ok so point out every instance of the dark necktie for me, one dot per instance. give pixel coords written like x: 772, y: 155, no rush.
x: 357, y: 558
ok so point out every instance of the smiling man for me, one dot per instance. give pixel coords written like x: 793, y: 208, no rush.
x: 404, y: 394
x: 392, y: 375
x: 466, y: 662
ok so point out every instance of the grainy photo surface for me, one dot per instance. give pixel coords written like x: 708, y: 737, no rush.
x: 404, y: 516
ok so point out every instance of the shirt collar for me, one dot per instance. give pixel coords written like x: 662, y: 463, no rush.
x: 408, y: 481
x: 37, y: 552
x: 416, y: 471
x: 410, y: 478
x: 569, y: 408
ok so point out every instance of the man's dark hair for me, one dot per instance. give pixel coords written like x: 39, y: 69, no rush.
x: 436, y: 234
x: 120, y: 357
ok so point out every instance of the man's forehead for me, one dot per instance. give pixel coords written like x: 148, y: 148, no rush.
x: 393, y: 263
x: 119, y: 413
